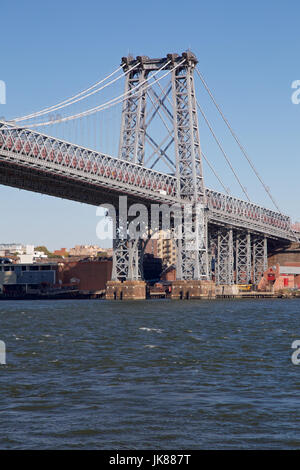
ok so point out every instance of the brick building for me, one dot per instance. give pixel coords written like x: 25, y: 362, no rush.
x: 279, y: 277
x: 86, y: 274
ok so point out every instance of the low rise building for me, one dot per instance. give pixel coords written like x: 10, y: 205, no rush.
x: 83, y: 276
x: 7, y: 249
x: 61, y: 252
x: 85, y: 250
x: 24, y: 278
x: 280, y: 277
x: 88, y: 275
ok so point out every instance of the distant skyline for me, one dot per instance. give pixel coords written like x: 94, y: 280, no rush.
x: 247, y: 52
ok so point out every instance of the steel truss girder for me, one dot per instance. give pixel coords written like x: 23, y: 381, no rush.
x: 228, y: 210
x: 32, y: 149
x: 29, y: 148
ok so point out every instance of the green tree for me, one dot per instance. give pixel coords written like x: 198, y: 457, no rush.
x: 44, y: 249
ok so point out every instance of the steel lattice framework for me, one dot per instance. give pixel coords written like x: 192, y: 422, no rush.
x: 222, y: 230
x: 132, y: 138
x: 192, y: 261
x: 192, y: 249
x: 243, y: 258
x: 224, y: 265
x: 237, y: 256
x: 260, y: 260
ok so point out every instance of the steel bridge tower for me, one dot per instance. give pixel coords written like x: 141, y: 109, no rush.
x: 183, y: 135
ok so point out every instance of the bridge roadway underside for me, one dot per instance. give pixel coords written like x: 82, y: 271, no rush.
x: 43, y: 182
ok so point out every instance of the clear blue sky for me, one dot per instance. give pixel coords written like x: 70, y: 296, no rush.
x: 247, y: 51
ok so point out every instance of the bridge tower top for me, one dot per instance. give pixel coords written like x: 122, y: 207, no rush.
x: 151, y: 65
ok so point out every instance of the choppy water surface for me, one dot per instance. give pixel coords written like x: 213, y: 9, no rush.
x: 149, y: 375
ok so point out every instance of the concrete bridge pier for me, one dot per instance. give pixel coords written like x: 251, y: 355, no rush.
x: 126, y: 290
x: 188, y: 290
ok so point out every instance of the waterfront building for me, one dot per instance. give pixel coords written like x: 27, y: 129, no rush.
x: 279, y: 277
x: 84, y: 276
x: 26, y: 278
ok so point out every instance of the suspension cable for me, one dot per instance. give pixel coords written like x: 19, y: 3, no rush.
x: 77, y: 97
x: 223, y: 151
x: 106, y: 105
x: 237, y: 141
x: 215, y: 173
x: 242, y: 149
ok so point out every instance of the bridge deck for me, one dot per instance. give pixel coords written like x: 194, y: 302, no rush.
x: 41, y: 163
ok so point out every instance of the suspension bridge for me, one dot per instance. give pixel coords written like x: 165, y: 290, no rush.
x: 158, y: 160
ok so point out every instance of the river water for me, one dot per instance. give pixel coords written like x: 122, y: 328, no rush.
x: 160, y: 374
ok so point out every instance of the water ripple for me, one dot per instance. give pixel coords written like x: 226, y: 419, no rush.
x: 161, y: 374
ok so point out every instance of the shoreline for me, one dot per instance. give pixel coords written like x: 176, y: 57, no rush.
x: 255, y: 296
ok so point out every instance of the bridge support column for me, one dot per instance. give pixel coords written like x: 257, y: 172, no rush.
x: 183, y: 134
x: 127, y: 270
x: 192, y: 250
x: 127, y: 260
x: 243, y: 258
x: 192, y: 254
x: 212, y: 239
x: 126, y: 283
x: 259, y: 258
x: 225, y: 259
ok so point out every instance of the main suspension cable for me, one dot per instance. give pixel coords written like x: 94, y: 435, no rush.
x: 238, y: 141
x: 215, y: 173
x: 223, y: 152
x: 75, y: 98
x: 103, y: 106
